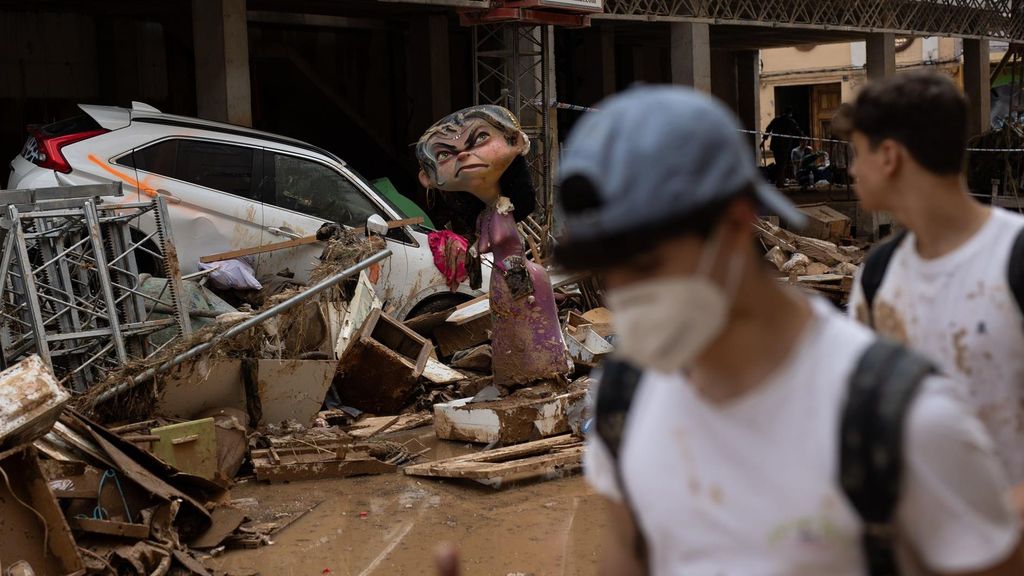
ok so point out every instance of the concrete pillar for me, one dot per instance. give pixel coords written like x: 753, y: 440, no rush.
x: 881, y: 55
x: 723, y: 77
x: 976, y: 84
x: 690, y: 55
x: 748, y: 92
x: 599, y: 80
x: 440, y: 65
x: 430, y: 78
x: 221, y: 40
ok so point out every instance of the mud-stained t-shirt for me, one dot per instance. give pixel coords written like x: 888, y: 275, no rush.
x: 750, y: 487
x: 959, y: 310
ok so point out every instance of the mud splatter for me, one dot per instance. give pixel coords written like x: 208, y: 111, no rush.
x: 716, y: 494
x: 889, y: 322
x: 961, y: 351
x: 863, y: 316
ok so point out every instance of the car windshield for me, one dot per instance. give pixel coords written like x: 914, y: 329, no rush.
x: 377, y: 193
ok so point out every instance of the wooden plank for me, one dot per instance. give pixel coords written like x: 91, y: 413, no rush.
x: 259, y: 249
x: 819, y: 278
x: 110, y: 528
x: 318, y: 470
x: 501, y: 454
x: 452, y: 338
x: 475, y: 470
x: 496, y: 474
x: 479, y: 308
x: 369, y: 427
x: 295, y: 242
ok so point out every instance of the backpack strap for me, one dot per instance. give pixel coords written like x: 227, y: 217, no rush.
x: 879, y: 394
x: 1015, y: 271
x: 619, y: 383
x: 875, y: 265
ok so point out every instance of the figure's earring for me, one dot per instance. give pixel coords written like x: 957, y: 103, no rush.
x: 526, y: 143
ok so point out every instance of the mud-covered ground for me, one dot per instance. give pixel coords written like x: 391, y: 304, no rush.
x: 543, y: 529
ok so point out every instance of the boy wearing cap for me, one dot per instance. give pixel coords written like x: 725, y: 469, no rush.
x: 727, y: 460
x: 950, y: 287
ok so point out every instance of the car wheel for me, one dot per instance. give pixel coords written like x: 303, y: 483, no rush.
x: 438, y: 303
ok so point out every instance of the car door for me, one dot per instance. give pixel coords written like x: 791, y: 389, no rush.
x: 211, y: 193
x: 301, y: 194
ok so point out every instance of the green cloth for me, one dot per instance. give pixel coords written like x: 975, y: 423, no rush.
x: 407, y: 207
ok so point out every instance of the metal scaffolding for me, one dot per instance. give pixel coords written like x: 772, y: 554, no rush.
x: 993, y: 19
x: 71, y: 287
x: 514, y: 68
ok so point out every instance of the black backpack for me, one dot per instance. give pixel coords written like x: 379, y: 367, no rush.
x: 879, y: 393
x: 877, y: 262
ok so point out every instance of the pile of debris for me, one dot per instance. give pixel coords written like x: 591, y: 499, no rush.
x: 124, y: 423
x: 826, y: 260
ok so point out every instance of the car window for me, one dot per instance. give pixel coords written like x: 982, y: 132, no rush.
x: 209, y: 164
x: 159, y: 158
x: 218, y: 166
x: 318, y: 190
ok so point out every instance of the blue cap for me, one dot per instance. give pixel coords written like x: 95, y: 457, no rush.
x: 652, y: 156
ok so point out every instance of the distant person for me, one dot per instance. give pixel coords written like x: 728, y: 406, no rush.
x: 952, y: 286
x: 747, y: 428
x: 781, y: 146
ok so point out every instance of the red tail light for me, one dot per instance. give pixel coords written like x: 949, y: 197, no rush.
x: 49, y: 154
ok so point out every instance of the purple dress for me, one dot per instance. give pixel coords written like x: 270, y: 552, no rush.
x: 527, y: 342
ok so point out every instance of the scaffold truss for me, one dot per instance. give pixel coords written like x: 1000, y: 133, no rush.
x: 996, y: 19
x: 513, y: 68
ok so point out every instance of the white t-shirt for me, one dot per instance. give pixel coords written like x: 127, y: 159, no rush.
x: 959, y: 310
x: 750, y: 487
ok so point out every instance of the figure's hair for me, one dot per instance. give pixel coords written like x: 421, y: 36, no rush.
x: 516, y: 183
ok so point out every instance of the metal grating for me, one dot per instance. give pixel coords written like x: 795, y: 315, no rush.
x: 994, y: 19
x: 513, y: 69
x: 71, y: 289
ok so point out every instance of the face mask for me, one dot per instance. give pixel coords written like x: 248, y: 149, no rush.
x: 664, y: 324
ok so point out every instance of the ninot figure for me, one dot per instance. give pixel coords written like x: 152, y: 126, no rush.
x: 481, y: 151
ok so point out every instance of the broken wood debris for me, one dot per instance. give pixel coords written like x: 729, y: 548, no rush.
x: 548, y: 458
x: 813, y: 263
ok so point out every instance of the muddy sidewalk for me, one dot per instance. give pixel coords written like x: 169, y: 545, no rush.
x: 391, y: 524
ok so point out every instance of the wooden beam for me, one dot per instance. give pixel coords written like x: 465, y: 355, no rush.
x: 295, y: 242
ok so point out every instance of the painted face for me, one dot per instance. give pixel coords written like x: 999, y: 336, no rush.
x: 867, y: 170
x: 472, y: 159
x: 470, y: 150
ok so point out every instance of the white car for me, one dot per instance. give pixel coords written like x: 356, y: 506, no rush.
x: 228, y: 188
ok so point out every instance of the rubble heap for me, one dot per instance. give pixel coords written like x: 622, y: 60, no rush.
x: 815, y: 263
x: 128, y: 470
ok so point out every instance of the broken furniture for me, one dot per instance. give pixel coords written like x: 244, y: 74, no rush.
x: 380, y: 368
x: 30, y: 402
x: 518, y: 418
x: 321, y: 453
x: 585, y: 345
x: 825, y: 223
x: 544, y: 459
x: 819, y: 265
x: 601, y: 320
x: 116, y: 389
x: 270, y: 391
x: 189, y: 446
x: 71, y: 280
x: 452, y: 338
